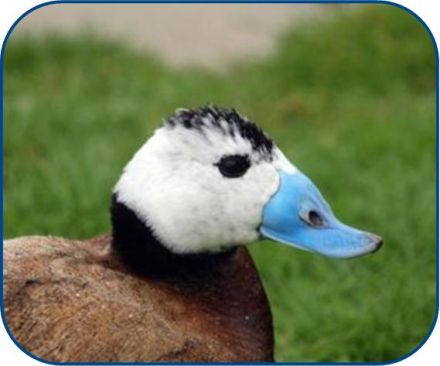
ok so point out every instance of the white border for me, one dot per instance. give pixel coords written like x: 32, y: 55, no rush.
x: 10, y: 10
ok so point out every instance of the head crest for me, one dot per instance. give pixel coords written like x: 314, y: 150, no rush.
x: 227, y: 121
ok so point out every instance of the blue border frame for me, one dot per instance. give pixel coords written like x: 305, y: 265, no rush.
x: 381, y: 2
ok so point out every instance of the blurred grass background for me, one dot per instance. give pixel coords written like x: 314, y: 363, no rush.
x: 351, y: 102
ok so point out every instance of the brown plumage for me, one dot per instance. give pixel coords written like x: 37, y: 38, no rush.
x: 74, y: 301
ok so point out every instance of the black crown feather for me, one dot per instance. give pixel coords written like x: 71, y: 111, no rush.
x: 211, y: 117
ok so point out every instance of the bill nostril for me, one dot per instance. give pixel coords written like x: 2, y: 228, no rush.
x: 315, y: 218
x: 312, y: 218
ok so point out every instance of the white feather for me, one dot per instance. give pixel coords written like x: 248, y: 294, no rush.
x: 173, y: 186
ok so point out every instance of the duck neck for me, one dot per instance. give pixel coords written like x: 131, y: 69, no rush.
x: 221, y: 293
x: 134, y: 243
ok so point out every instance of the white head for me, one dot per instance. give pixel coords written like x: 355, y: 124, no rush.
x: 202, y: 181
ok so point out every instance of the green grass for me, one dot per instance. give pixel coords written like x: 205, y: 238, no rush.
x: 351, y: 102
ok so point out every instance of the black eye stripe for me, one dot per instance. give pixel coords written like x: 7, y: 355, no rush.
x: 233, y: 166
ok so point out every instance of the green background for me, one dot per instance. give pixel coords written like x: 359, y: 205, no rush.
x: 350, y: 101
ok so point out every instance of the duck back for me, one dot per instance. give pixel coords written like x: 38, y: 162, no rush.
x: 74, y: 301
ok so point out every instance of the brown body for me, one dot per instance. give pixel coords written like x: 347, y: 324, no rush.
x: 73, y: 301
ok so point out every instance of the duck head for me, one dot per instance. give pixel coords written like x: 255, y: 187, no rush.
x: 210, y: 179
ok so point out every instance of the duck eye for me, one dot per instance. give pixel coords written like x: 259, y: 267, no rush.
x: 233, y: 166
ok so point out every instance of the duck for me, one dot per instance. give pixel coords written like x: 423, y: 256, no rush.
x: 174, y: 281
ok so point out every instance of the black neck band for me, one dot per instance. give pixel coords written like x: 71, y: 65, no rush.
x: 134, y: 243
